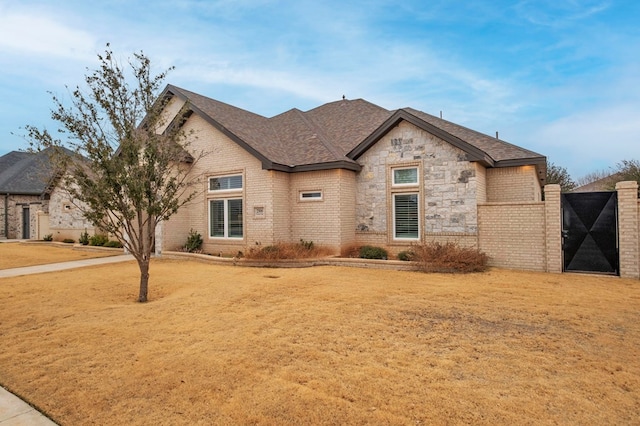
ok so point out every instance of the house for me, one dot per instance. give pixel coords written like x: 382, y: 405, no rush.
x: 606, y: 183
x: 347, y: 172
x: 32, y: 204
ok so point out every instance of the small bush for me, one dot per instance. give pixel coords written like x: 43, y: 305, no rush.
x: 406, y: 255
x: 48, y: 237
x: 373, y: 252
x: 449, y: 257
x: 113, y: 243
x: 84, y: 238
x: 69, y: 240
x: 194, y: 242
x: 351, y: 251
x: 98, y: 240
x: 280, y: 251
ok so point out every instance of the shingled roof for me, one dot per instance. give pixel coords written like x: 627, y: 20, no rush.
x: 336, y: 134
x: 25, y: 173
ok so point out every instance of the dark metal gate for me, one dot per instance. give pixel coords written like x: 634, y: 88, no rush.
x: 590, y: 232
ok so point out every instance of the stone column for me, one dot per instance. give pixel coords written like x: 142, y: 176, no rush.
x: 628, y: 229
x: 553, y: 228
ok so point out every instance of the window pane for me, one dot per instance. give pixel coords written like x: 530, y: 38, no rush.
x: 225, y: 182
x: 216, y: 208
x: 404, y: 176
x: 406, y: 215
x: 235, y: 218
x: 311, y: 195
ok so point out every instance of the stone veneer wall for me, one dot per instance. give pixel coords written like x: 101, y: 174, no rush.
x: 12, y: 217
x: 65, y: 218
x: 447, y: 187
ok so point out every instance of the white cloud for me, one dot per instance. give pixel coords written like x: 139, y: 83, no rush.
x: 592, y: 140
x: 28, y: 33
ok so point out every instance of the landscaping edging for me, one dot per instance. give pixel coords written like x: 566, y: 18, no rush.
x: 397, y: 265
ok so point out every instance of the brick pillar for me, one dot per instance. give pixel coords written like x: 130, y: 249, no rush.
x: 628, y: 229
x: 553, y: 228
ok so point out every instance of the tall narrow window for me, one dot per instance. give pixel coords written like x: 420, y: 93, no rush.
x: 226, y: 219
x: 405, y: 216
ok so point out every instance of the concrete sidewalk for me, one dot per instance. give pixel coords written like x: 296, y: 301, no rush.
x: 13, y: 410
x: 16, y: 412
x: 52, y: 267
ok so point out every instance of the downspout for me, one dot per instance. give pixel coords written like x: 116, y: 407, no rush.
x: 6, y: 215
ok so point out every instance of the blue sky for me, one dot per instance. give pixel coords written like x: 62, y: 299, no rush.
x: 560, y: 77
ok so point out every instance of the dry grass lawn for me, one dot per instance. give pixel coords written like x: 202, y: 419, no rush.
x: 17, y: 255
x: 325, y: 345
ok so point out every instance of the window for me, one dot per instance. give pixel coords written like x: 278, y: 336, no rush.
x: 405, y: 216
x: 405, y: 176
x: 311, y: 195
x: 226, y: 218
x: 225, y: 183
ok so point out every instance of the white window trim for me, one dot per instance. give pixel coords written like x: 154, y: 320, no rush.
x: 393, y: 218
x: 225, y: 217
x: 222, y: 191
x: 309, y: 198
x: 404, y: 185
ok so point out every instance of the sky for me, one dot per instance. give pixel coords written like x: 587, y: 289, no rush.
x: 558, y: 77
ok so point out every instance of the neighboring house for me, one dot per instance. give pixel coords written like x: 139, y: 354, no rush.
x: 606, y: 183
x: 32, y: 204
x: 347, y: 172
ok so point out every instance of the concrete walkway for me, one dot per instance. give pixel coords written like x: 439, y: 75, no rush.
x: 16, y: 412
x: 13, y: 410
x: 52, y: 267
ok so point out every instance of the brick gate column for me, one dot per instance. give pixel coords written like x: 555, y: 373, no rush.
x: 628, y: 229
x: 553, y: 228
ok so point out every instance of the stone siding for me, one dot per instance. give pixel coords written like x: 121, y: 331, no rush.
x: 11, y: 218
x: 447, y: 187
x: 65, y: 217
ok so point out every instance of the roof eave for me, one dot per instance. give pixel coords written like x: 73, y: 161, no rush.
x: 331, y: 165
x: 540, y: 163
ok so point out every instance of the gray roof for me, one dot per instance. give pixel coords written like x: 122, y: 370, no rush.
x: 25, y: 173
x: 335, y: 134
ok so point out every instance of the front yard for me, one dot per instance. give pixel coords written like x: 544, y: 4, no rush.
x: 322, y: 345
x: 17, y: 255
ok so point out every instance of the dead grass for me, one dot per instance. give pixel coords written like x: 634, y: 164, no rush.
x: 324, y: 345
x: 17, y: 255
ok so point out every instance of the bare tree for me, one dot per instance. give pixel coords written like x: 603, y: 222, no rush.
x: 559, y: 175
x: 130, y: 170
x: 593, y: 177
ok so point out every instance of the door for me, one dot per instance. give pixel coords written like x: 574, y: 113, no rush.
x: 590, y: 232
x: 26, y: 220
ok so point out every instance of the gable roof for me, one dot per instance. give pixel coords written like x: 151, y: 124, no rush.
x: 336, y: 134
x: 25, y: 173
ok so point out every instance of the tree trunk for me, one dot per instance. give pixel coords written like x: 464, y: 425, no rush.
x: 144, y: 280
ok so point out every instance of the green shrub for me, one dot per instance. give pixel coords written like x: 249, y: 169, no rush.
x: 194, y: 242
x: 98, y: 240
x: 48, y: 237
x: 449, y: 257
x: 69, y: 240
x: 84, y: 238
x: 373, y: 252
x: 113, y: 243
x: 406, y: 255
